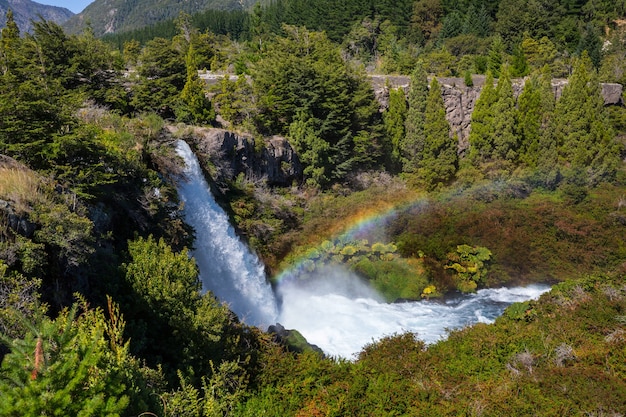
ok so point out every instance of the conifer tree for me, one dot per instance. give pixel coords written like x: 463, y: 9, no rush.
x: 582, y: 131
x: 535, y: 106
x: 496, y: 56
x: 413, y: 143
x: 194, y: 106
x: 505, y: 138
x: 482, y: 128
x: 439, y: 158
x: 10, y: 40
x: 393, y: 121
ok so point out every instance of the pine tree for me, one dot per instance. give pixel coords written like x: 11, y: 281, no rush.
x: 439, y: 159
x: 393, y: 121
x: 505, y: 138
x: 413, y: 144
x: 482, y: 127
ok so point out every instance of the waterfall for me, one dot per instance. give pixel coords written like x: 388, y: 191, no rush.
x: 227, y: 267
x: 335, y: 310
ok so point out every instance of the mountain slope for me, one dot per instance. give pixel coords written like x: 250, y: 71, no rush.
x: 26, y: 10
x: 109, y: 16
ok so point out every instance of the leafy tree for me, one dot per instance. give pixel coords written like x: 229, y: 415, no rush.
x: 162, y: 75
x: 173, y: 324
x: 426, y: 20
x: 439, y: 157
x: 393, y: 122
x: 590, y: 41
x: 413, y: 144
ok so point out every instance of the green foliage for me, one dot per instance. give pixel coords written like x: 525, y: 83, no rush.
x: 304, y: 88
x: 439, y: 156
x: 393, y: 122
x: 195, y: 107
x: 65, y: 366
x: 582, y: 134
x: 481, y: 133
x: 470, y: 264
x: 535, y: 105
x: 505, y: 135
x: 167, y: 295
x: 413, y: 144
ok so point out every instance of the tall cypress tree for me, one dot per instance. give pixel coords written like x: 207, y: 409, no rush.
x: 535, y: 106
x: 505, y: 137
x: 481, y: 133
x: 439, y: 158
x: 413, y: 143
x: 393, y: 122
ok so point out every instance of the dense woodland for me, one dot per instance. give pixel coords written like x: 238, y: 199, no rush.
x: 101, y: 311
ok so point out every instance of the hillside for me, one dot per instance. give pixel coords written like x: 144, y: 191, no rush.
x: 447, y: 180
x: 112, y: 16
x: 26, y: 10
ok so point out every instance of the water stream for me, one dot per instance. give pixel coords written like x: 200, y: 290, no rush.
x: 336, y: 312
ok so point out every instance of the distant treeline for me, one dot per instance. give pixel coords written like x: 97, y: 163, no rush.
x: 232, y: 23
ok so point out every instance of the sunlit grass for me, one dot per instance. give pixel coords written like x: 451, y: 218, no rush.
x: 20, y: 186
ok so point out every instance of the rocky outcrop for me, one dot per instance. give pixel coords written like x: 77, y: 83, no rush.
x: 459, y: 100
x: 273, y: 161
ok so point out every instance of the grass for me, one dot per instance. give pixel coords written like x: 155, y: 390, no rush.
x: 21, y: 186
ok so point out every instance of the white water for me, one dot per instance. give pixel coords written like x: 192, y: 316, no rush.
x: 335, y: 311
x: 341, y: 321
x: 227, y: 267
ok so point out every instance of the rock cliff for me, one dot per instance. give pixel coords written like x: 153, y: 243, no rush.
x: 460, y: 100
x: 273, y: 161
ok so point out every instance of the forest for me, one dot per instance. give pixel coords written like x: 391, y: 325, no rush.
x: 101, y: 308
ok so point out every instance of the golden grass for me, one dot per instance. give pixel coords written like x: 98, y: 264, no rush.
x: 21, y: 186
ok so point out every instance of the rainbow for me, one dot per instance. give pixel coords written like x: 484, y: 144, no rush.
x: 360, y: 226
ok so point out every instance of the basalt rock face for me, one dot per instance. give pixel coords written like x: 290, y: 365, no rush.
x: 232, y: 154
x: 459, y: 100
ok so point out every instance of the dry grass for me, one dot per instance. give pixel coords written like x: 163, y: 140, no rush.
x: 20, y: 186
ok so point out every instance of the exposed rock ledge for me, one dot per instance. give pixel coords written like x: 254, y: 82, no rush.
x: 232, y: 153
x: 460, y: 100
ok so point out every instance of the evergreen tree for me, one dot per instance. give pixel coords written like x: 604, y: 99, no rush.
x: 496, y: 56
x: 590, y: 41
x: 482, y: 126
x: 582, y: 132
x: 10, y: 38
x: 439, y: 158
x: 303, y: 76
x: 194, y: 106
x: 535, y: 104
x: 505, y: 138
x: 393, y: 121
x: 413, y: 144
